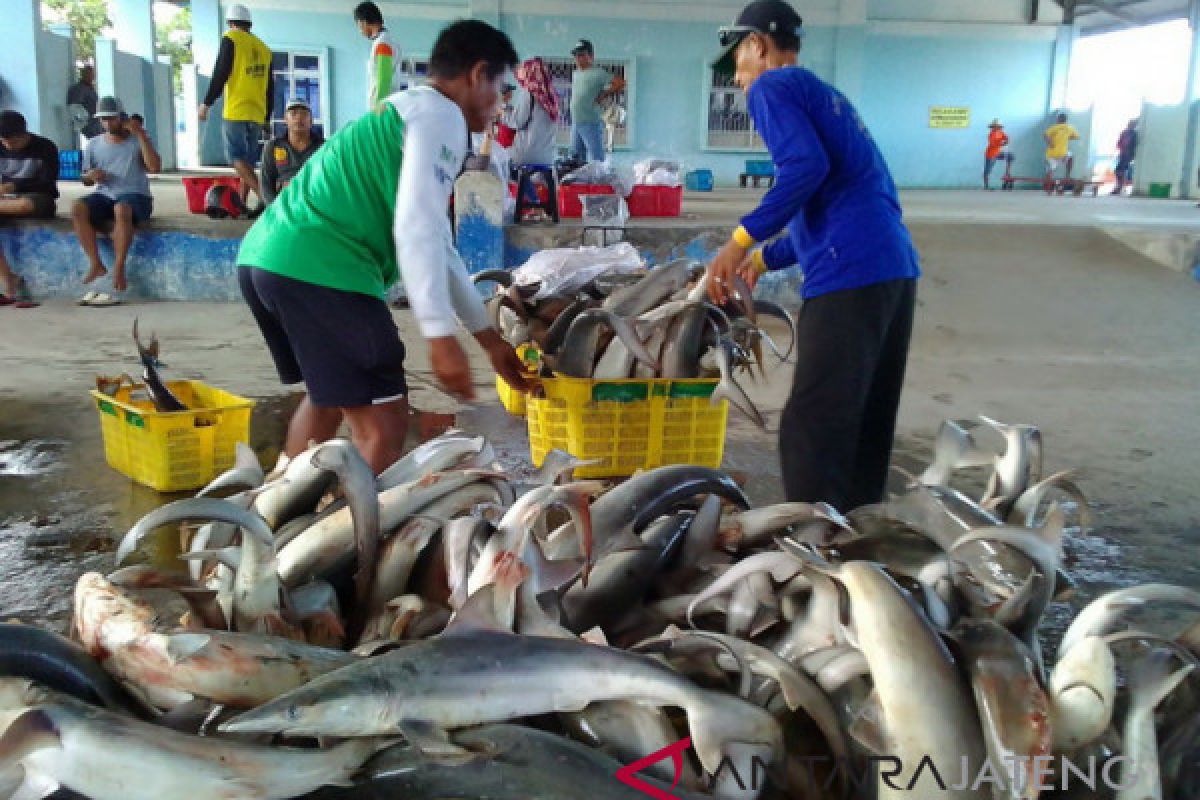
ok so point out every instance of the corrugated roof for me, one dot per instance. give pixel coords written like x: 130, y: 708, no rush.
x: 1101, y: 16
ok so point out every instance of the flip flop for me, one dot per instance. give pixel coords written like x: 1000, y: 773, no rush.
x: 87, y: 299
x: 23, y: 297
x: 104, y: 300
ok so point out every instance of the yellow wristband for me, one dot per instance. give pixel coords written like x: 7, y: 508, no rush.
x: 759, y: 262
x: 743, y: 238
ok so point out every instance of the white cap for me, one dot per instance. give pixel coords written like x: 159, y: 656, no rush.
x: 237, y: 13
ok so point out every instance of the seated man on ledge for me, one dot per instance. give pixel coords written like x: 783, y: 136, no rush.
x: 283, y: 156
x: 28, y: 188
x: 118, y: 162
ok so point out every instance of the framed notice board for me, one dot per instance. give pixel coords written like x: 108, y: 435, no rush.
x: 949, y: 117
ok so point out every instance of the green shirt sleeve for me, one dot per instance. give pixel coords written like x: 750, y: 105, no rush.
x: 383, y: 59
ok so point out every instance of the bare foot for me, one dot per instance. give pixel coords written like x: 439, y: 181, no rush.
x: 120, y: 283
x: 97, y: 271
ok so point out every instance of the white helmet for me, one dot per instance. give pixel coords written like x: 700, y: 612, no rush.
x: 237, y: 13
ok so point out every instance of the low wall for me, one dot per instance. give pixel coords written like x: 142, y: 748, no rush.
x: 164, y: 264
x: 186, y: 260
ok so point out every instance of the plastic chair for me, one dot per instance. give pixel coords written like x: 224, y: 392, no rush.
x: 526, y: 189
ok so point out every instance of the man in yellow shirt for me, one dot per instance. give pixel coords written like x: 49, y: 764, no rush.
x: 1058, y: 149
x: 243, y: 71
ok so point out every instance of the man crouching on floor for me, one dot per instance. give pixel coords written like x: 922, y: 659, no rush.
x: 373, y: 202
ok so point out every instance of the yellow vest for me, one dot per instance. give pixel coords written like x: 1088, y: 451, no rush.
x: 246, y: 90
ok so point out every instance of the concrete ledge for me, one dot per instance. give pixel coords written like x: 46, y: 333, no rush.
x: 165, y: 263
x: 194, y: 258
x: 182, y: 256
x: 1177, y: 250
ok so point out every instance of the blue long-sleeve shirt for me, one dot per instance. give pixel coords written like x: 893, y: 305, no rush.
x: 833, y: 192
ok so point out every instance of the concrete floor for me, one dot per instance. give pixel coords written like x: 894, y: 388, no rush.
x: 1058, y: 326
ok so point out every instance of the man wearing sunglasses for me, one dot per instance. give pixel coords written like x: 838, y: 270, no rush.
x: 835, y: 204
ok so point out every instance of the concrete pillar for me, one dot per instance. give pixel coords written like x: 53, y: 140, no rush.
x: 849, y: 45
x: 1189, y: 181
x: 56, y: 74
x: 133, y: 24
x: 207, y: 29
x: 18, y: 60
x: 1063, y: 47
x: 64, y: 30
x: 164, y: 112
x: 1193, y: 77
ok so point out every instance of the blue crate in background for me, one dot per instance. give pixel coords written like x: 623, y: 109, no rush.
x: 762, y: 169
x: 700, y: 180
x: 70, y: 165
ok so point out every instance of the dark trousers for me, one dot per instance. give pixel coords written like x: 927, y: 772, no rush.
x: 835, y: 438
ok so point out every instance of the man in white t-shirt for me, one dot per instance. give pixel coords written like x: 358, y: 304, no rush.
x: 118, y: 164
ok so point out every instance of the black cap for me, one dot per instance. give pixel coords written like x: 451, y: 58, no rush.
x: 761, y: 16
x: 12, y: 123
x: 109, y: 106
x: 583, y: 46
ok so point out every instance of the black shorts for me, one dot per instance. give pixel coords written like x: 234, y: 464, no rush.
x: 43, y: 204
x: 102, y: 209
x: 343, y: 346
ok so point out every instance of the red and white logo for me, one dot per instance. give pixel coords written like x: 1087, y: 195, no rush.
x: 628, y: 775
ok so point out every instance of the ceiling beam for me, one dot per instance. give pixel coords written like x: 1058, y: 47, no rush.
x: 1150, y: 19
x: 1114, y: 11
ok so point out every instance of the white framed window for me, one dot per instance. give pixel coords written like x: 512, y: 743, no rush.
x: 414, y: 71
x: 561, y: 70
x: 729, y: 126
x: 303, y: 74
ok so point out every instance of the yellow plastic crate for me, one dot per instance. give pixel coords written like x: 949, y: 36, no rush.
x: 628, y: 425
x: 173, y: 451
x: 512, y: 400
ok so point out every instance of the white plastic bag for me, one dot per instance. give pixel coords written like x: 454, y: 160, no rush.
x: 567, y: 270
x: 657, y: 172
x: 600, y: 173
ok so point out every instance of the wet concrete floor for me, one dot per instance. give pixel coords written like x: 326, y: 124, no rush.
x: 62, y: 510
x: 1056, y: 327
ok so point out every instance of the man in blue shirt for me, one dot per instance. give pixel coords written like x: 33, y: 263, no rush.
x: 835, y: 210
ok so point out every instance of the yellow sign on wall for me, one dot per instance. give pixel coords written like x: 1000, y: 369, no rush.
x: 949, y: 117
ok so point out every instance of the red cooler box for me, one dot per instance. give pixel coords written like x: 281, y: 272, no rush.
x: 656, y: 201
x: 197, y: 188
x: 569, y: 204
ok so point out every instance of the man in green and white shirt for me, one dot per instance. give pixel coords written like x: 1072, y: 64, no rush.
x: 384, y: 76
x: 369, y: 207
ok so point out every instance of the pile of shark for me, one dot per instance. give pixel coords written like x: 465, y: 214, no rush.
x: 448, y: 630
x: 652, y: 324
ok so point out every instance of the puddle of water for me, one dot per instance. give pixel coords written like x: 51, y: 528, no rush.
x: 37, y: 457
x: 62, y: 509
